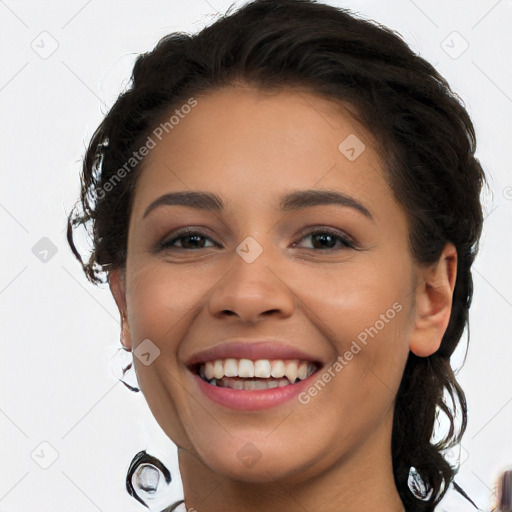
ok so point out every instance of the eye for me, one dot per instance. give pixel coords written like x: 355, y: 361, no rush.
x: 190, y: 240
x: 326, y: 239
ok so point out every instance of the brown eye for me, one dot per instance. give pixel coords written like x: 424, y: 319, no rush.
x: 322, y: 239
x: 327, y: 239
x: 190, y: 240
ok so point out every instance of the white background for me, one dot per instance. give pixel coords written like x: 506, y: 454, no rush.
x: 59, y: 332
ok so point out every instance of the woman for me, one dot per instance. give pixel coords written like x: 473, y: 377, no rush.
x: 287, y: 207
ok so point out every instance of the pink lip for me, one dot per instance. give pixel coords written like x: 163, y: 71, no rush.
x: 268, y: 349
x: 252, y: 400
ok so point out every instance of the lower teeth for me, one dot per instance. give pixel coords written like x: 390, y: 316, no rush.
x: 248, y: 384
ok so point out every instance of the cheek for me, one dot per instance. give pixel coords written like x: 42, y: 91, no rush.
x: 357, y: 296
x: 160, y: 297
x: 365, y: 311
x: 162, y: 302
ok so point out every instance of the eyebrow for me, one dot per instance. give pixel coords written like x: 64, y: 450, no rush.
x: 289, y: 202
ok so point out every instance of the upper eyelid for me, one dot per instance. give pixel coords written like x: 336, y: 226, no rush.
x: 305, y: 232
x: 184, y: 232
x: 320, y: 229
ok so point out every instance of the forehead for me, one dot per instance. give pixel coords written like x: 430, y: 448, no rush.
x: 252, y: 146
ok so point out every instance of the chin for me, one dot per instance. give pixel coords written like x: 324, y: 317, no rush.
x: 246, y: 463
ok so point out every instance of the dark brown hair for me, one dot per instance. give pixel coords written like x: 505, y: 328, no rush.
x: 425, y: 136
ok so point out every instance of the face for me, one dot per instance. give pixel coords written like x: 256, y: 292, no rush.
x: 332, y: 278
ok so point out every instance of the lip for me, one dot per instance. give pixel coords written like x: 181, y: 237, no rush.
x: 254, y: 350
x: 252, y: 400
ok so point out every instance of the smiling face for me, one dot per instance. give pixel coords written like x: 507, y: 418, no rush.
x: 317, y: 291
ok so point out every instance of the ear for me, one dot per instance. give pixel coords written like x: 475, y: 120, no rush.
x: 433, y: 302
x: 116, y: 281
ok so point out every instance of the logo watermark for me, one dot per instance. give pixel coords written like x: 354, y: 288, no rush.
x: 143, y: 151
x: 342, y: 361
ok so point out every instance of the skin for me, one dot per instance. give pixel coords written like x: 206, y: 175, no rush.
x: 250, y: 147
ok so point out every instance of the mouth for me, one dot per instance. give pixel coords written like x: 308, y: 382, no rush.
x: 250, y: 375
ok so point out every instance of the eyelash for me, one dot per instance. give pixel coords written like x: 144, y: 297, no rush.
x: 346, y: 241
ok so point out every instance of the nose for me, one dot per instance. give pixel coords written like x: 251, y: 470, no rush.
x: 252, y: 290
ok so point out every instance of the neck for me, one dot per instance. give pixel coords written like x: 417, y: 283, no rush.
x: 362, y: 480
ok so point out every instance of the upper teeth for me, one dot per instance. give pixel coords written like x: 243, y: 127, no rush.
x: 262, y: 368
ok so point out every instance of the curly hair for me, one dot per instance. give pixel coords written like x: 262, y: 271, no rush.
x: 427, y: 143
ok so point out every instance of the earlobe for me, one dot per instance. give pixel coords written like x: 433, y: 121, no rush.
x: 116, y: 281
x: 433, y: 303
